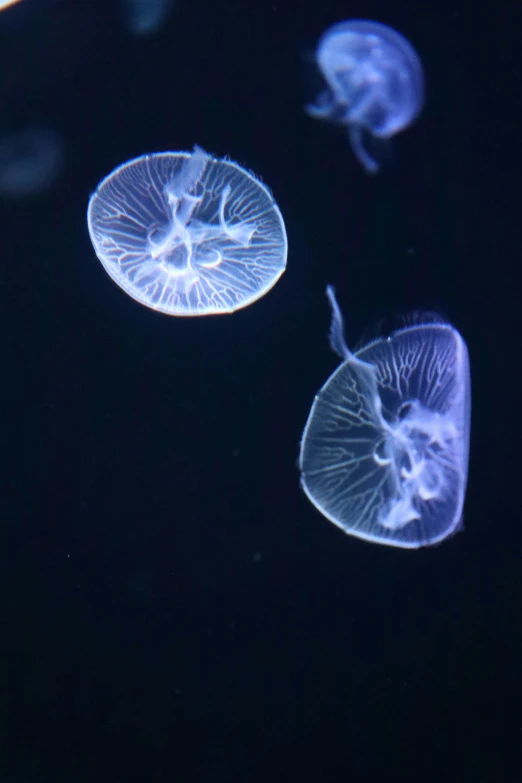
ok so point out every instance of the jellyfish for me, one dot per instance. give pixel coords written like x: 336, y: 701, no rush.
x: 30, y: 161
x: 7, y: 3
x: 384, y: 454
x: 375, y: 84
x: 144, y: 17
x: 188, y: 234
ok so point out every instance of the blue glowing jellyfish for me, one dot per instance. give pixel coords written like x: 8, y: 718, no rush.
x: 144, y: 17
x: 30, y: 161
x: 188, y: 234
x: 384, y: 453
x: 375, y: 83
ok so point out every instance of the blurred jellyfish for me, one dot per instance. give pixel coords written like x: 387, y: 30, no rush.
x: 30, y: 161
x: 375, y: 84
x: 7, y: 3
x: 384, y: 453
x: 188, y: 234
x: 144, y: 17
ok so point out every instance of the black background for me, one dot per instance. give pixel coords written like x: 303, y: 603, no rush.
x: 173, y: 608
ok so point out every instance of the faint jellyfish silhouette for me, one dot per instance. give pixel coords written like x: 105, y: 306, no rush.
x: 384, y: 454
x: 144, y: 17
x: 188, y: 234
x: 375, y: 83
x: 30, y: 161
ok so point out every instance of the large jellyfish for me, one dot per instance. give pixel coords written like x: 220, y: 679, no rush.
x: 384, y: 454
x: 188, y: 234
x: 375, y: 84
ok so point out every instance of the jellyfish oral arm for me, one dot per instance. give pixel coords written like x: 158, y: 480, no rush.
x: 355, y: 135
x: 183, y: 207
x: 189, y: 175
x: 323, y: 107
x: 365, y: 371
x: 336, y: 334
x: 239, y: 232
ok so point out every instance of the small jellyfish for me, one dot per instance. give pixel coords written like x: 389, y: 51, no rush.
x: 375, y: 84
x: 144, y: 17
x: 188, y: 234
x: 30, y: 161
x: 384, y: 454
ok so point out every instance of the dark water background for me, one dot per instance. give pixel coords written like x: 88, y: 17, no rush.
x: 172, y: 607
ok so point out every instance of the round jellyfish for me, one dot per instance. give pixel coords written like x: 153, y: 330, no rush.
x: 384, y: 454
x: 375, y: 83
x: 188, y: 234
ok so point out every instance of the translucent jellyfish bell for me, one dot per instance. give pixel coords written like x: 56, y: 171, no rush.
x: 188, y: 234
x: 384, y: 453
x: 375, y: 83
